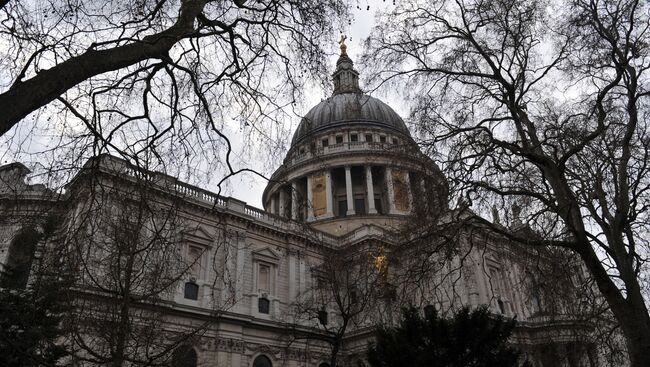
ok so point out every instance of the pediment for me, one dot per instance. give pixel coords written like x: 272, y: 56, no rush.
x: 199, y: 234
x: 368, y: 232
x: 266, y: 254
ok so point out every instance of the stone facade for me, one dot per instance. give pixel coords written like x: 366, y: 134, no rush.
x: 351, y: 180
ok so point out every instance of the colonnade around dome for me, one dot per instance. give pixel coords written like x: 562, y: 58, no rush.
x: 345, y: 191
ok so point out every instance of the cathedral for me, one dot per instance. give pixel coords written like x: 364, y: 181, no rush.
x: 331, y: 254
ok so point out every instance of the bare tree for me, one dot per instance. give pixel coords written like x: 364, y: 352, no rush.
x: 124, y: 248
x: 345, y: 296
x: 542, y: 105
x: 157, y: 75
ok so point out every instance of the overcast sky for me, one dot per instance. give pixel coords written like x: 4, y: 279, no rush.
x: 20, y: 144
x: 249, y: 188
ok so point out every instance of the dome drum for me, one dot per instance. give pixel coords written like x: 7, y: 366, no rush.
x: 344, y: 191
x: 350, y: 141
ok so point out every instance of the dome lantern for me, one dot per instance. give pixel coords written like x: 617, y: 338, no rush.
x: 346, y: 79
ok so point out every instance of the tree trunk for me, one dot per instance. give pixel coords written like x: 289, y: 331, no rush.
x: 335, y: 351
x: 24, y: 97
x: 630, y: 312
x: 635, y: 323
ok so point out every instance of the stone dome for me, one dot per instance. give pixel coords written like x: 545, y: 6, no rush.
x: 348, y: 108
x: 353, y: 163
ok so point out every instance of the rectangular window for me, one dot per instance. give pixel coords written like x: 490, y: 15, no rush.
x: 191, y: 291
x: 343, y: 208
x: 264, y: 278
x: 354, y: 298
x: 382, y: 139
x: 498, y: 288
x: 354, y: 137
x: 369, y: 137
x: 325, y: 142
x: 395, y: 141
x: 495, y: 281
x: 194, y: 261
x: 263, y: 305
x: 360, y: 206
x: 339, y: 139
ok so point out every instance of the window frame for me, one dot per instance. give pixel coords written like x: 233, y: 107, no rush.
x: 202, y: 261
x: 500, y: 285
x: 267, y: 302
x: 263, y: 265
x: 266, y: 257
x: 185, y: 290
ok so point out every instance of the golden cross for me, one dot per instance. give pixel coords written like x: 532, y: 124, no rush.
x: 343, y: 45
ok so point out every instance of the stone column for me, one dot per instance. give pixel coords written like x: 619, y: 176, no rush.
x: 391, y: 191
x: 328, y: 194
x: 272, y: 205
x: 283, y: 203
x: 294, y: 200
x: 407, y: 182
x: 348, y: 191
x: 310, y: 199
x: 371, y: 191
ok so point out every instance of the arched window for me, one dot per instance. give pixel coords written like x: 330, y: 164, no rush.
x: 19, y: 258
x: 262, y: 361
x: 184, y: 356
x: 191, y: 290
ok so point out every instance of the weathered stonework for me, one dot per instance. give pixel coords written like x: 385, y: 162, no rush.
x: 348, y: 181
